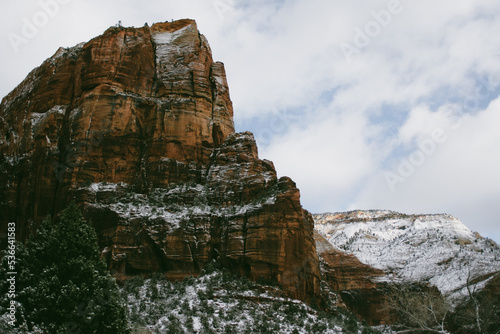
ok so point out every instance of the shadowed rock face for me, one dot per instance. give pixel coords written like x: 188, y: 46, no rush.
x: 355, y: 282
x: 137, y: 127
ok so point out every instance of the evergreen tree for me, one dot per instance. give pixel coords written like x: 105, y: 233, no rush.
x: 62, y: 285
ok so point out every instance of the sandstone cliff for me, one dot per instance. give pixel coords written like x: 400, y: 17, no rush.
x: 355, y: 283
x: 136, y: 125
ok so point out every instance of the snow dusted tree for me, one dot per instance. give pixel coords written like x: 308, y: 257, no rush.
x: 62, y: 285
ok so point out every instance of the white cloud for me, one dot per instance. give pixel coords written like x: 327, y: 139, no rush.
x: 459, y: 177
x: 328, y: 158
x: 422, y: 123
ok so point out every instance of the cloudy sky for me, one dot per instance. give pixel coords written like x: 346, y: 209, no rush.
x: 380, y: 104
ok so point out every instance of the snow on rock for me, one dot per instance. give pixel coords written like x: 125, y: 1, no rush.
x: 39, y: 120
x: 97, y: 187
x: 168, y: 45
x: 152, y: 206
x: 437, y: 249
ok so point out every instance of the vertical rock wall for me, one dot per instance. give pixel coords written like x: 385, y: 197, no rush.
x: 136, y: 125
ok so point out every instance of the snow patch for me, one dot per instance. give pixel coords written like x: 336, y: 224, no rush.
x: 104, y: 186
x: 38, y: 118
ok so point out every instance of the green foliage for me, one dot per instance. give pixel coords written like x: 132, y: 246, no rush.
x: 368, y: 330
x: 222, y: 302
x: 351, y: 325
x: 62, y: 285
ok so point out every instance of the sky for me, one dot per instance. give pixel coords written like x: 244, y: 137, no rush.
x: 364, y: 104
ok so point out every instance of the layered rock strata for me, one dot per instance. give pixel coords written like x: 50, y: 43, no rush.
x: 136, y: 125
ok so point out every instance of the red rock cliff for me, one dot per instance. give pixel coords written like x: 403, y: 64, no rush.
x: 137, y: 127
x: 354, y: 282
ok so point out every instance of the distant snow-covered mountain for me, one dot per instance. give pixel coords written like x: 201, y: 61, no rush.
x: 437, y: 249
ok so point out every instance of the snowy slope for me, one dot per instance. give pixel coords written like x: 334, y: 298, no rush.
x: 220, y: 302
x: 437, y: 249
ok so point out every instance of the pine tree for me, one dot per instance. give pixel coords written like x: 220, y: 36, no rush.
x: 62, y: 285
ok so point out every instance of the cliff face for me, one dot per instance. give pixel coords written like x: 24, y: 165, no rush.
x: 356, y: 283
x: 137, y: 127
x: 112, y: 110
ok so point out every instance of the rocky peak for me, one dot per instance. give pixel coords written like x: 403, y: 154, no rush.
x: 136, y: 126
x: 113, y: 109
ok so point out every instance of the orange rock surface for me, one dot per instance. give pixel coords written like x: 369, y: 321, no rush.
x: 136, y: 126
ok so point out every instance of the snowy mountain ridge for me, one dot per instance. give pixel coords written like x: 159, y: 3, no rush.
x: 437, y: 249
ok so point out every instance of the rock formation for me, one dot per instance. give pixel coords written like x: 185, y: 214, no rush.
x: 136, y: 126
x: 355, y: 282
x: 380, y: 250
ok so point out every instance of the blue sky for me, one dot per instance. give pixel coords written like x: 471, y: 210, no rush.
x: 365, y: 104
